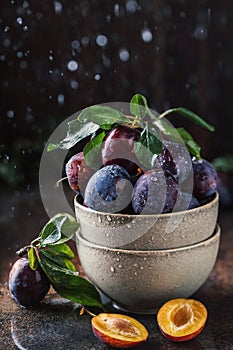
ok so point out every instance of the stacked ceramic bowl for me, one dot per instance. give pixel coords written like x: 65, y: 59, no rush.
x: 141, y: 261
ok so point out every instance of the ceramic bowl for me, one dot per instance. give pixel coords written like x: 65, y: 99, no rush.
x: 140, y: 281
x: 141, y: 232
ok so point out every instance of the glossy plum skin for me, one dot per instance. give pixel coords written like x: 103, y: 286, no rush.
x: 204, y: 179
x: 155, y: 192
x: 175, y: 159
x: 118, y: 148
x: 78, y: 173
x: 27, y: 287
x: 166, y: 162
x: 109, y: 189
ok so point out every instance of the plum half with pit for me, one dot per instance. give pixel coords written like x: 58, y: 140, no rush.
x: 27, y: 287
x: 118, y: 148
x: 109, y: 189
x: 78, y: 173
x: 204, y: 179
x: 119, y: 331
x: 155, y: 192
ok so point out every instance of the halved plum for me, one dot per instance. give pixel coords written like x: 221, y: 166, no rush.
x: 117, y: 330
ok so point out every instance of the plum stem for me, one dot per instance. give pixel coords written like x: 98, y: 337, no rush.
x: 60, y: 180
x: 36, y: 252
x: 83, y: 310
x: 37, y: 240
x: 21, y: 252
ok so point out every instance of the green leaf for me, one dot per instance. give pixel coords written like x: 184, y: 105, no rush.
x: 189, y: 115
x: 76, y: 132
x: 168, y: 130
x: 33, y: 262
x: 224, y: 163
x: 62, y: 250
x: 138, y: 105
x: 70, y: 285
x: 102, y: 115
x: 57, y: 259
x: 148, y: 147
x: 92, y: 151
x: 192, y: 146
x: 58, y: 230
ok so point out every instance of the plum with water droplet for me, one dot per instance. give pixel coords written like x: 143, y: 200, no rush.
x: 175, y: 159
x: 78, y: 173
x: 118, y: 148
x: 109, y: 189
x: 155, y: 192
x: 27, y: 287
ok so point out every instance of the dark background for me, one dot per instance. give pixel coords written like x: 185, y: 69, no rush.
x: 57, y: 57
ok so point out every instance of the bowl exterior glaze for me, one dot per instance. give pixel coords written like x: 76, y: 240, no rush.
x: 141, y: 281
x: 139, y: 232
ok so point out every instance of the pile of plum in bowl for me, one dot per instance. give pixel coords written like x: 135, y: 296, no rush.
x: 146, y: 202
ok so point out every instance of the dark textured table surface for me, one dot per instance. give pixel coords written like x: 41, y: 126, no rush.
x: 56, y: 323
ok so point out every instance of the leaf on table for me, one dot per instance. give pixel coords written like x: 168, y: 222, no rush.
x: 70, y: 285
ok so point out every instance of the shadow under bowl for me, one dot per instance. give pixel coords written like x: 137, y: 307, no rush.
x: 141, y: 281
x: 139, y: 232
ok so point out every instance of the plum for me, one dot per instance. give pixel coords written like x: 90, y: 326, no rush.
x: 119, y: 331
x: 118, y: 148
x: 182, y: 319
x: 166, y: 161
x: 78, y: 173
x: 155, y: 192
x: 204, y: 179
x: 27, y: 287
x: 176, y: 159
x: 186, y: 201
x: 109, y: 189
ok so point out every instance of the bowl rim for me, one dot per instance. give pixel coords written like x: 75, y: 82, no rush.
x: 212, y: 202
x: 215, y: 236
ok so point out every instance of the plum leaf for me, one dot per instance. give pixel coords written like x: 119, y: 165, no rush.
x: 76, y: 132
x: 148, y: 147
x: 69, y: 284
x: 192, y: 146
x: 104, y: 116
x: 59, y: 229
x: 224, y: 163
x: 189, y: 115
x: 138, y: 105
x: 92, y: 152
x: 57, y: 259
x: 33, y: 262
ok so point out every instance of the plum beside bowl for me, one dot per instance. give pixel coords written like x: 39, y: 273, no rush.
x: 149, y: 232
x: 140, y: 281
